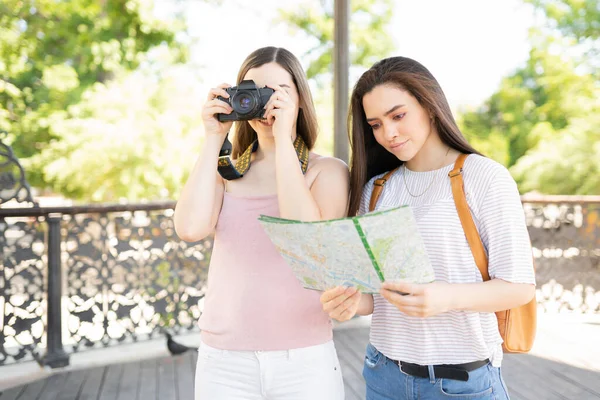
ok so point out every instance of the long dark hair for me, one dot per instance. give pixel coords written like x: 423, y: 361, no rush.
x: 369, y: 158
x: 306, y: 125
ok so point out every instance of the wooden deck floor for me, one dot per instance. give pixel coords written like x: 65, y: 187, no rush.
x: 528, y: 377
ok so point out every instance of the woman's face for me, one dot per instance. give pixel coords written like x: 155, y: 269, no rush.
x: 400, y: 124
x: 272, y: 74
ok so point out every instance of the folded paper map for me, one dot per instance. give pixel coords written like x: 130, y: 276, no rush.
x: 362, y: 251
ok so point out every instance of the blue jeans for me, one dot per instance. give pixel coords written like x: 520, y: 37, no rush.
x: 385, y: 381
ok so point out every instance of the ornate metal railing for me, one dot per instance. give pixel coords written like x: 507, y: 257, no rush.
x: 565, y: 235
x: 105, y: 274
x: 80, y: 277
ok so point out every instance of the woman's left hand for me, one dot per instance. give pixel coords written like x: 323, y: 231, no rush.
x: 281, y: 111
x: 419, y: 300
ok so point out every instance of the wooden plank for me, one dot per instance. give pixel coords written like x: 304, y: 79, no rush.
x: 518, y: 381
x: 540, y: 373
x: 528, y: 377
x: 73, y: 384
x: 184, y: 374
x: 148, y: 380
x: 12, y: 394
x: 130, y: 382
x: 112, y: 381
x: 166, y: 379
x: 194, y: 362
x: 33, y: 390
x: 93, y: 383
x: 588, y: 379
x: 53, y: 387
x: 354, y: 383
x: 356, y: 342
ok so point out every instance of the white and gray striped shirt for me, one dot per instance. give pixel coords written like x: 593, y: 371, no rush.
x: 454, y: 337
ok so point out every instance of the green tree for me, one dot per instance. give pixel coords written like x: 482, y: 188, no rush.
x: 547, y: 90
x: 369, y: 41
x: 542, y: 122
x: 132, y: 138
x: 51, y: 52
x: 579, y: 19
x: 567, y: 163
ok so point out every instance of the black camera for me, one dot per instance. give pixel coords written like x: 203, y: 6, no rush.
x: 247, y: 101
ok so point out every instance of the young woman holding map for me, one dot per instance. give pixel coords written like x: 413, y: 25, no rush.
x: 436, y: 340
x: 263, y: 335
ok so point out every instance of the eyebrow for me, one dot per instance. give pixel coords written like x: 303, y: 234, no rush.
x: 391, y: 110
x: 284, y: 85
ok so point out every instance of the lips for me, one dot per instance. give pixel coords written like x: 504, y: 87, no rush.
x: 265, y: 122
x: 398, y: 145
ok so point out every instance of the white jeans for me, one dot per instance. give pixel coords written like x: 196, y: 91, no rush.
x: 310, y: 373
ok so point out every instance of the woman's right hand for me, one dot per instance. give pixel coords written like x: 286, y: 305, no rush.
x: 341, y: 303
x: 214, y: 106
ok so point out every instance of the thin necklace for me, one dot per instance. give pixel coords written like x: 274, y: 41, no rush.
x: 430, y: 183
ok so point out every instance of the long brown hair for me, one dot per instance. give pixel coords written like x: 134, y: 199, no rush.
x: 306, y: 125
x: 369, y: 158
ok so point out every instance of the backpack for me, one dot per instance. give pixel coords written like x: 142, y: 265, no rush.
x: 517, y: 326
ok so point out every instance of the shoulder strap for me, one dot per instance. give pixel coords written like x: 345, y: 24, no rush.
x: 378, y: 188
x: 466, y: 219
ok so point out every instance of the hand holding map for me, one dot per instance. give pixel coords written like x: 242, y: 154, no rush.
x: 360, y: 251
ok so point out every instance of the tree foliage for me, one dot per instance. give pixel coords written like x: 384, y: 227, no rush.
x: 52, y: 52
x: 369, y: 41
x: 542, y: 121
x: 133, y: 138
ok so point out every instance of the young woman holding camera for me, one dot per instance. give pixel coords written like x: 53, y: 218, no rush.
x: 437, y: 340
x: 263, y: 334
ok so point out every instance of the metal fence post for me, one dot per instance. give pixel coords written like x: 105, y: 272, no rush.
x: 55, y: 356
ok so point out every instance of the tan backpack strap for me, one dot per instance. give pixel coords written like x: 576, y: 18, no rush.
x: 466, y: 219
x: 378, y: 188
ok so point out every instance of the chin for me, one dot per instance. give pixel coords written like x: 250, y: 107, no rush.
x: 403, y: 154
x: 262, y: 129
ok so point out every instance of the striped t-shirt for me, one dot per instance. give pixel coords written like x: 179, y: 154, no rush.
x: 454, y: 337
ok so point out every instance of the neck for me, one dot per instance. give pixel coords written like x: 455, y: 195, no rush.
x: 266, y: 148
x: 433, y: 155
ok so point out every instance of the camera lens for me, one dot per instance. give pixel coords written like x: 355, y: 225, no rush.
x: 244, y: 102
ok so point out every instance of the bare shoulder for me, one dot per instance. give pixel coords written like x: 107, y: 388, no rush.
x: 323, y: 163
x: 327, y: 172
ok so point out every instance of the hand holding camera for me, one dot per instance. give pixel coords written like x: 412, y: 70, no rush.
x: 215, y: 106
x: 270, y: 104
x: 280, y: 111
x: 246, y: 101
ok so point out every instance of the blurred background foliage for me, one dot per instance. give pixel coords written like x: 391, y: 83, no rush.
x: 101, y: 101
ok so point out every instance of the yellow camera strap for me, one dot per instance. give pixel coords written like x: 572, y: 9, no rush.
x: 229, y: 171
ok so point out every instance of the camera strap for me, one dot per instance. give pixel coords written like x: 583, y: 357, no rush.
x: 230, y: 172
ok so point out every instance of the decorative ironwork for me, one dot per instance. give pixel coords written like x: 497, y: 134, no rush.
x: 22, y: 294
x: 22, y: 268
x: 127, y: 277
x: 13, y: 184
x: 566, y: 243
x: 130, y: 277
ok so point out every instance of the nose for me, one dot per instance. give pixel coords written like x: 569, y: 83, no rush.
x: 390, y: 131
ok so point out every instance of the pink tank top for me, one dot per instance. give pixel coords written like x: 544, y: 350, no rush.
x: 253, y: 301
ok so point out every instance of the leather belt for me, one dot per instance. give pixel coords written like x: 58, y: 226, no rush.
x: 458, y: 372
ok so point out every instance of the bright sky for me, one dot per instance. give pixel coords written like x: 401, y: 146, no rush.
x: 469, y: 45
